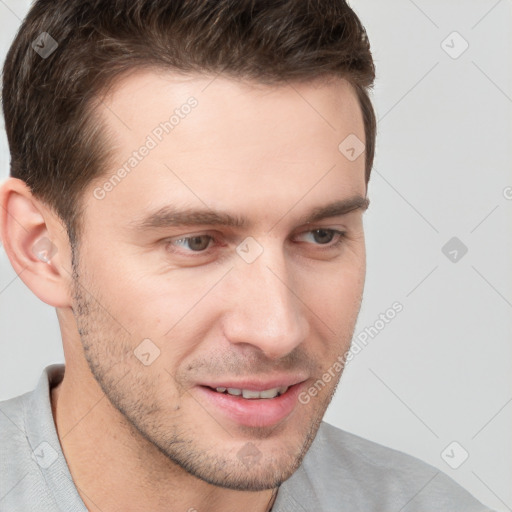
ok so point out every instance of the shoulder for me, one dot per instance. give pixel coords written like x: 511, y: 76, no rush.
x: 375, y: 477
x: 12, y: 426
x: 17, y: 470
x: 22, y: 481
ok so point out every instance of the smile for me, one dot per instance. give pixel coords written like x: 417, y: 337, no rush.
x: 264, y: 407
x: 251, y: 394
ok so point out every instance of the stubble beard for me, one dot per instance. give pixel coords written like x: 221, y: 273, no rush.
x: 108, y: 351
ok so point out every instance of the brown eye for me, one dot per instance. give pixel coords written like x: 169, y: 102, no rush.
x: 323, y: 236
x: 194, y: 243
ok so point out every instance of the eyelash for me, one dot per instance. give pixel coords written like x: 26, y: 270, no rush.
x: 340, y: 234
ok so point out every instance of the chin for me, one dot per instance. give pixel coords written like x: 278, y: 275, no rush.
x: 263, y: 475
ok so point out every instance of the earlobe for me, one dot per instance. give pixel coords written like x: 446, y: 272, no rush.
x: 35, y: 242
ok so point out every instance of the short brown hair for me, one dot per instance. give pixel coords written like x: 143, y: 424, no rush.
x: 58, y: 147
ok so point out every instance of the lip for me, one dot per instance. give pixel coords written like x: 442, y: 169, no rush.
x: 257, y: 385
x: 264, y: 412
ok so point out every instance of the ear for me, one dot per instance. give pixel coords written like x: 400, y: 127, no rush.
x: 36, y: 243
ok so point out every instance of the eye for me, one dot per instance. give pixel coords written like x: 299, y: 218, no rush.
x: 323, y: 236
x: 202, y: 244
x: 196, y: 243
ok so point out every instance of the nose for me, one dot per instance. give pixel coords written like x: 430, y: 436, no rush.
x: 265, y: 309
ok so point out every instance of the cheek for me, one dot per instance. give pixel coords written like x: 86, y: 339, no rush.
x: 136, y: 293
x: 337, y: 303
x: 334, y: 293
x: 173, y: 311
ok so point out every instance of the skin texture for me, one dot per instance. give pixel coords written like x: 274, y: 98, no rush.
x: 140, y: 437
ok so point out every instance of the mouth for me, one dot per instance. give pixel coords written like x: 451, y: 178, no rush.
x: 251, y: 405
x: 251, y: 394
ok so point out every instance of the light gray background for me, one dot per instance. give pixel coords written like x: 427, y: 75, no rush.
x: 441, y: 371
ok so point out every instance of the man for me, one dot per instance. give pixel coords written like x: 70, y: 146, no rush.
x: 188, y: 181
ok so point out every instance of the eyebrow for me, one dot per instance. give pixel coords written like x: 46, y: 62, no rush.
x: 169, y: 216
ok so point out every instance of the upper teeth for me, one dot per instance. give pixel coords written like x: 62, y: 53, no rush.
x: 249, y: 393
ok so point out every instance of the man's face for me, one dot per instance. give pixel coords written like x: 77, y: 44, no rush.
x: 168, y: 309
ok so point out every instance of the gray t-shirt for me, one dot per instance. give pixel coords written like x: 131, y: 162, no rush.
x: 341, y: 471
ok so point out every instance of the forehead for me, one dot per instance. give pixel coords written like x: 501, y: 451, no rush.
x: 217, y: 141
